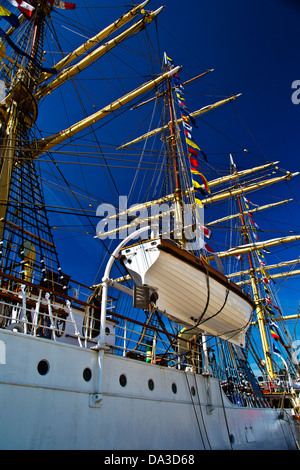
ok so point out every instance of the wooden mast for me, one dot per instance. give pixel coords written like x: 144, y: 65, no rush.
x: 23, y: 252
x: 239, y: 250
x: 256, y: 296
x: 24, y: 87
x: 194, y: 114
x: 43, y: 145
x: 160, y: 95
x: 174, y: 155
x: 266, y: 206
x: 68, y: 72
x: 96, y: 39
x: 271, y: 266
x: 246, y: 189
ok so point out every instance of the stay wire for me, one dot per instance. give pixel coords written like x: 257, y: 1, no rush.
x: 195, y: 411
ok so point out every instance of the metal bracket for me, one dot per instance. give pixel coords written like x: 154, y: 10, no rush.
x: 95, y: 400
x: 100, y: 348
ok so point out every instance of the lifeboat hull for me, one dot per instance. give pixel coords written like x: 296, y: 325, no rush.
x: 190, y: 292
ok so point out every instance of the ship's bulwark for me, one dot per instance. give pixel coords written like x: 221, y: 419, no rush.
x: 143, y: 406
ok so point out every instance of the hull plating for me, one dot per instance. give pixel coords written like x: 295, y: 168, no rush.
x: 55, y: 410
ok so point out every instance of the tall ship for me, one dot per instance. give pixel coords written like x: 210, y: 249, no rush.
x: 139, y: 305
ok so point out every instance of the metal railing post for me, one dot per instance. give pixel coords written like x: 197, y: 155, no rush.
x: 95, y: 399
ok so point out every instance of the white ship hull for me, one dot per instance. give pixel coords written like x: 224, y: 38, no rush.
x: 58, y: 410
x: 191, y: 295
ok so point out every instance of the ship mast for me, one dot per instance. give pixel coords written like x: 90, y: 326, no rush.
x: 253, y: 281
x: 24, y: 227
x: 27, y: 246
x: 174, y: 155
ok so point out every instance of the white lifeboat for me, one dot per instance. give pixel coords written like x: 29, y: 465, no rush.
x: 190, y: 292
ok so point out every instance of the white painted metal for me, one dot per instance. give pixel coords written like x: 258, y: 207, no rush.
x: 101, y: 347
x: 53, y: 411
x: 183, y: 292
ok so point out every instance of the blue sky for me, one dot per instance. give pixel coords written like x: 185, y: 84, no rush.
x: 253, y: 48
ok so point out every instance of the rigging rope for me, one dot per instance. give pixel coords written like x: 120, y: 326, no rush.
x: 195, y: 410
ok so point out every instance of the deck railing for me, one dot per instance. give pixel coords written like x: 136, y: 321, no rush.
x: 40, y: 312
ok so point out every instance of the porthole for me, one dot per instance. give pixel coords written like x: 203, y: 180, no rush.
x: 193, y: 392
x: 150, y: 384
x: 174, y: 388
x: 123, y: 380
x: 87, y: 374
x: 107, y: 330
x: 43, y: 367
